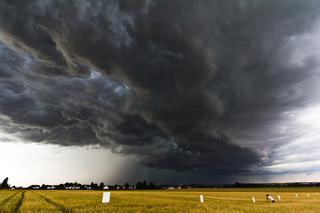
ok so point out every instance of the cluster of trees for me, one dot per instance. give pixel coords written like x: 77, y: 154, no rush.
x: 139, y: 185
x: 144, y: 185
x: 4, y: 184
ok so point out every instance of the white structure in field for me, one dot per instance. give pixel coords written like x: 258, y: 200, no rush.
x: 106, y: 197
x: 105, y: 187
x: 270, y: 198
x: 279, y: 198
x: 253, y: 200
x: 201, y: 199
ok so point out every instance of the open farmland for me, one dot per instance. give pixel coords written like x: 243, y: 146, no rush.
x: 215, y: 200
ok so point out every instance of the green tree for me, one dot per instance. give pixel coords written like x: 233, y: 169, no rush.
x: 101, y: 186
x: 126, y: 185
x: 4, y: 184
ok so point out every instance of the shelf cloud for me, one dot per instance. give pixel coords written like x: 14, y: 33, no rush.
x: 182, y: 85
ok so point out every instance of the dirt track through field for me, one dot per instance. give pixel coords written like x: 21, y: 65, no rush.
x: 59, y: 206
x: 19, y: 204
x: 7, y: 199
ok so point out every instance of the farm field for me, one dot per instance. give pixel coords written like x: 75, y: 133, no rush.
x: 215, y: 200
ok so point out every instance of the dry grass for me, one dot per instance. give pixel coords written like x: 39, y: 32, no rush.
x: 216, y: 200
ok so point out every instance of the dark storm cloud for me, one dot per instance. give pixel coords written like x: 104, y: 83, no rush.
x: 172, y: 82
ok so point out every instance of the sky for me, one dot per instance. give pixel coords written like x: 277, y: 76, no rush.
x: 164, y: 90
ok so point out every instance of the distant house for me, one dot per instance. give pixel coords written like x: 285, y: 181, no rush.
x: 106, y: 187
x: 87, y: 187
x: 34, y: 187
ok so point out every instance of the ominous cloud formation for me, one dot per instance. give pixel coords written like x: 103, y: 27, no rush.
x: 183, y: 85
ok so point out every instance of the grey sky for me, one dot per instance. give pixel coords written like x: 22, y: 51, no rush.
x: 197, y: 91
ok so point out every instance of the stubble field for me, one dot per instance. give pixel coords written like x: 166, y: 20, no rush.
x: 215, y: 200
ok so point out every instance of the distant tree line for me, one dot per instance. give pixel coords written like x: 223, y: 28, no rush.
x: 144, y: 185
x: 263, y: 185
x: 140, y: 185
x: 93, y: 186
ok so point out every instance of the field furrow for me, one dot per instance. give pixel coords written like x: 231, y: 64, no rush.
x: 33, y: 203
x: 7, y: 198
x: 56, y: 204
x: 17, y: 208
x: 10, y: 204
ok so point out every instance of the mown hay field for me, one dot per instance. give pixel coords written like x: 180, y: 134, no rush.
x: 215, y: 200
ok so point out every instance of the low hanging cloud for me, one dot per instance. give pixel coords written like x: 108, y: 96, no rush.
x: 183, y: 85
